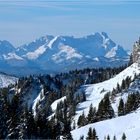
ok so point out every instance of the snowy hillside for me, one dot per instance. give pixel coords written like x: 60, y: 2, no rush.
x: 125, y: 124
x: 66, y: 53
x: 60, y: 104
x: 6, y: 80
x: 94, y: 94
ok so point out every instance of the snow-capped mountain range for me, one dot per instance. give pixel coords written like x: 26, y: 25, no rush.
x: 52, y: 54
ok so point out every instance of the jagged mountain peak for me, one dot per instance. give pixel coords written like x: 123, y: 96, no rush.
x: 64, y: 52
x: 6, y: 47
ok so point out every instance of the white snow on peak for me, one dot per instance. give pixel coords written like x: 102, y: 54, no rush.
x: 111, y: 53
x: 12, y: 56
x: 52, y: 41
x: 39, y: 51
x: 67, y: 52
x: 34, y: 55
x: 105, y: 41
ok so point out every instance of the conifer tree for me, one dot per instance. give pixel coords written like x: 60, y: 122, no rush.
x: 95, y: 137
x: 105, y: 110
x: 108, y: 137
x: 90, y: 134
x: 123, y: 136
x: 82, y: 120
x: 114, y: 138
x: 91, y: 115
x: 121, y: 108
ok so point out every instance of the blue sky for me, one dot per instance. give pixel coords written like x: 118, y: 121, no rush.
x: 22, y: 21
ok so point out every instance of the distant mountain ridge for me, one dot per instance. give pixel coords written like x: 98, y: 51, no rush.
x: 52, y: 54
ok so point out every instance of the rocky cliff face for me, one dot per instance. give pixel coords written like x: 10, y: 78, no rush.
x: 136, y: 51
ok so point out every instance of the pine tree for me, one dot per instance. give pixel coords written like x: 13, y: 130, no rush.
x: 90, y: 134
x: 108, y: 137
x: 114, y: 138
x: 84, y: 97
x: 105, y: 110
x: 121, y: 108
x: 82, y: 120
x: 4, y: 112
x: 123, y: 84
x: 123, y: 136
x: 14, y: 114
x: 118, y: 88
x: 91, y: 115
x: 109, y: 112
x: 95, y: 137
x: 131, y: 103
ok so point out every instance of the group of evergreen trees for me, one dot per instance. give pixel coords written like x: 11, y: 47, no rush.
x: 105, y: 111
x: 18, y: 122
x: 16, y: 116
x: 121, y: 88
x: 92, y: 135
x: 132, y: 103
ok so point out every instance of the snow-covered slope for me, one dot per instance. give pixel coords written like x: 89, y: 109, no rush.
x: 95, y: 93
x: 6, y: 80
x: 54, y: 104
x: 128, y: 124
x: 66, y: 53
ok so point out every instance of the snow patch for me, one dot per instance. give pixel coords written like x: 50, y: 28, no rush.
x: 12, y: 56
x: 36, y: 101
x: 52, y: 41
x: 36, y: 53
x: 112, y: 52
x: 54, y: 104
x: 67, y: 52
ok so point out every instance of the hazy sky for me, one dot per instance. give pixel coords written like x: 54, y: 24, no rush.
x: 22, y: 21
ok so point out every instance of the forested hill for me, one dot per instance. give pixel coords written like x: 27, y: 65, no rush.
x: 63, y: 105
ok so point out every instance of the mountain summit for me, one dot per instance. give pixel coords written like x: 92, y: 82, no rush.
x: 52, y: 54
